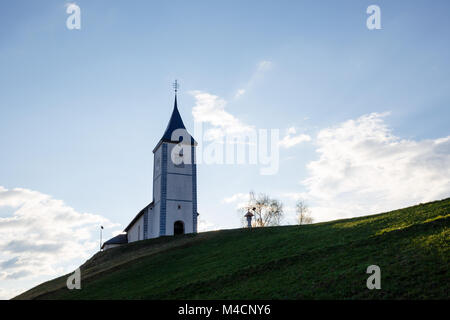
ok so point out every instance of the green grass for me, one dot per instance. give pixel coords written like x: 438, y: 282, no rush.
x: 320, y: 261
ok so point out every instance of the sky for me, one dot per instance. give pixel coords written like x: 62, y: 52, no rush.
x: 362, y: 115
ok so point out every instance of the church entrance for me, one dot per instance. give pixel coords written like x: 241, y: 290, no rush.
x: 178, y: 228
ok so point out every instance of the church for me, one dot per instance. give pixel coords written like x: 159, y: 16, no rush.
x: 173, y: 210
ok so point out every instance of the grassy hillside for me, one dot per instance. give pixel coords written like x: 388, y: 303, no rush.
x: 320, y: 261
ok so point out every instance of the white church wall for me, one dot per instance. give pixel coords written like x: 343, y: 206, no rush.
x: 179, y: 211
x: 136, y: 231
x: 179, y: 187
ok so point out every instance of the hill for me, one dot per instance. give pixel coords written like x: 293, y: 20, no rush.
x: 319, y: 261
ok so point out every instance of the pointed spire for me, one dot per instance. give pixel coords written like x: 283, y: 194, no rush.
x: 175, y: 122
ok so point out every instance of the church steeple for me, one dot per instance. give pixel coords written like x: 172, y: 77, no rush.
x: 175, y: 122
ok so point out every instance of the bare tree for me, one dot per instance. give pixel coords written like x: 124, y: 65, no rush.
x: 266, y: 211
x: 303, y: 213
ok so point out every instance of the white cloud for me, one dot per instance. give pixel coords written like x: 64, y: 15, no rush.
x: 364, y: 168
x: 9, y: 293
x: 204, y: 226
x: 210, y: 109
x: 43, y: 236
x: 239, y: 199
x: 290, y: 139
x: 236, y: 197
x: 289, y: 215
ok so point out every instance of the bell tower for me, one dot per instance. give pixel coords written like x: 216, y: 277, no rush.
x: 174, y: 180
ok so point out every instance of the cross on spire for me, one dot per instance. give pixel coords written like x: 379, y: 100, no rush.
x: 176, y: 85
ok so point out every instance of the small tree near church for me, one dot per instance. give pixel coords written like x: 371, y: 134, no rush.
x: 266, y: 211
x: 303, y: 213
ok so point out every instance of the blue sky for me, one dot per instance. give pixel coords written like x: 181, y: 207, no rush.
x: 81, y: 110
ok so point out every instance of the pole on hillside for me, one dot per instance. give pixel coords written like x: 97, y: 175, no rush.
x: 101, y: 228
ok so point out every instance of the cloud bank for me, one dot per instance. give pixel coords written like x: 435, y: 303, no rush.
x: 364, y: 168
x: 43, y: 236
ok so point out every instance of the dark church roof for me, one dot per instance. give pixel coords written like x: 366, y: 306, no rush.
x: 119, y: 239
x: 175, y: 123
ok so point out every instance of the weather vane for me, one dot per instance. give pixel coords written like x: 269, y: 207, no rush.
x: 176, y: 85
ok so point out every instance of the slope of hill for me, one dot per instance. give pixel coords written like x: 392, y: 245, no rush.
x: 320, y: 261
